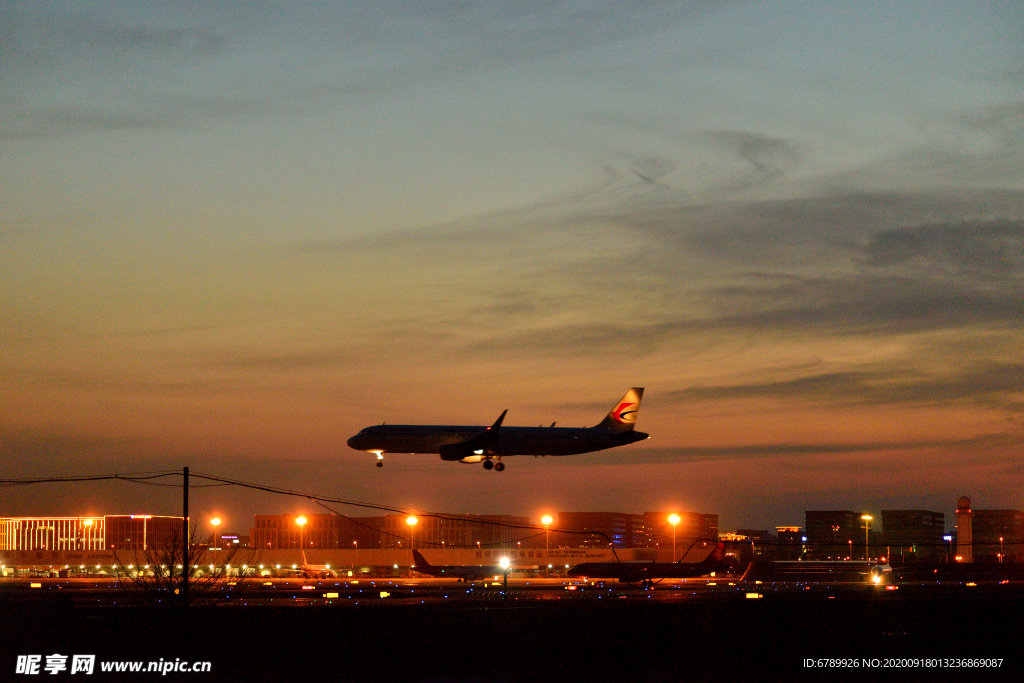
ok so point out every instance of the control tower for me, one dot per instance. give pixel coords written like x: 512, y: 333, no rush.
x: 964, y: 532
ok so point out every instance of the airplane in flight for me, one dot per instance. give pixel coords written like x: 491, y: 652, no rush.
x: 644, y: 572
x: 469, y: 572
x: 490, y: 444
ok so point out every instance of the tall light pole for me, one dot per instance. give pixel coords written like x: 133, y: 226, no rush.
x: 504, y: 570
x: 867, y: 527
x: 301, y: 521
x: 1000, y: 549
x: 216, y: 523
x: 673, y: 519
x: 411, y: 521
x: 546, y: 521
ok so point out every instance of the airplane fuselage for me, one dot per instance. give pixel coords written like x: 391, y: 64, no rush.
x: 457, y: 443
x: 510, y: 440
x: 645, y: 571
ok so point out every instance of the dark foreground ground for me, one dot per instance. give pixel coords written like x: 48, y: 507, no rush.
x: 953, y: 632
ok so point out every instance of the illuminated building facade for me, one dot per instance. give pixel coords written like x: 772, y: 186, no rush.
x: 992, y: 525
x: 456, y: 531
x: 829, y: 533
x: 964, y: 531
x: 913, y: 533
x: 129, y: 532
x: 790, y: 544
x: 325, y: 532
x: 321, y: 532
x: 691, y: 526
x: 750, y: 544
x: 596, y: 529
x: 142, y: 532
x: 233, y: 541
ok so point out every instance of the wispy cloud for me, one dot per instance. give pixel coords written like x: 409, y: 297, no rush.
x: 758, y: 451
x: 988, y: 383
x: 271, y: 61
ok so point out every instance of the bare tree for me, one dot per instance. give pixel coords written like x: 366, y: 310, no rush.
x: 158, y: 574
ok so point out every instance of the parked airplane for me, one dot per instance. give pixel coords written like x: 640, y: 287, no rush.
x: 631, y: 572
x: 490, y: 444
x: 468, y: 572
x: 313, y: 571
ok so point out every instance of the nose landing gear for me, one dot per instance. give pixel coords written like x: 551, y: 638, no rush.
x: 496, y: 466
x: 380, y: 458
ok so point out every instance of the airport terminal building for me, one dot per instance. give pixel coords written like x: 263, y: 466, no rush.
x: 327, y: 532
x: 106, y: 532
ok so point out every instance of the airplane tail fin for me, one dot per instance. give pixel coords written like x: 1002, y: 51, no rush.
x: 622, y: 418
x: 718, y: 554
x: 419, y: 560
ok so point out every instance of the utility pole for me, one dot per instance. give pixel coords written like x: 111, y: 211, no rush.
x: 184, y: 540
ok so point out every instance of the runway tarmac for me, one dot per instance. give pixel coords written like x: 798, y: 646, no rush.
x: 441, y: 630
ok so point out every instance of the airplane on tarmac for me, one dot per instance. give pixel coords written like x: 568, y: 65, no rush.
x: 467, y: 572
x: 631, y: 572
x: 313, y: 571
x: 490, y: 444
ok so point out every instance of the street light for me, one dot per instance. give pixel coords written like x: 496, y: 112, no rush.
x: 673, y: 519
x: 301, y: 521
x: 1000, y: 549
x: 411, y: 521
x: 546, y: 521
x: 867, y: 527
x: 504, y: 570
x: 216, y: 523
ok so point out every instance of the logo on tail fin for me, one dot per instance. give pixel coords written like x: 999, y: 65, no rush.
x: 622, y: 417
x: 621, y: 414
x: 718, y: 554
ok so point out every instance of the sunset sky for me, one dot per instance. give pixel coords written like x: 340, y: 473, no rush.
x: 233, y: 234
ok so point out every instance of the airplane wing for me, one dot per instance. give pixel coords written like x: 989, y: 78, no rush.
x: 486, y: 442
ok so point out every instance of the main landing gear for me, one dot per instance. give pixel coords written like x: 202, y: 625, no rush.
x: 497, y: 466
